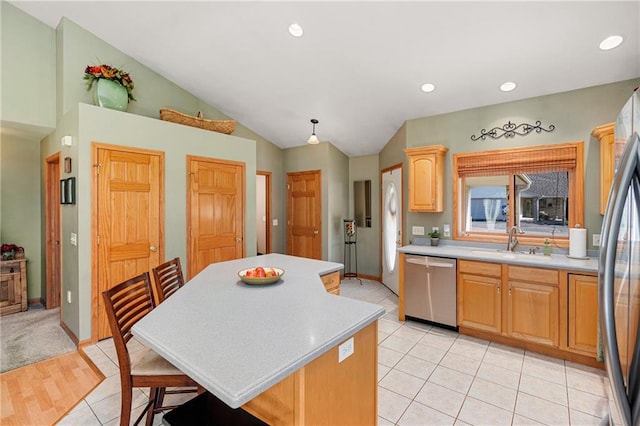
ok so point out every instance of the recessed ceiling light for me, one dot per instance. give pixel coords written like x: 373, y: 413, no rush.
x: 427, y: 87
x: 611, y: 42
x: 508, y: 86
x: 295, y: 30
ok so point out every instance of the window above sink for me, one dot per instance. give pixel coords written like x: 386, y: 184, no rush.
x: 538, y: 189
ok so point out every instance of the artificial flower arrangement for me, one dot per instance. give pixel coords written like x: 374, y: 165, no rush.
x: 9, y: 251
x: 96, y: 72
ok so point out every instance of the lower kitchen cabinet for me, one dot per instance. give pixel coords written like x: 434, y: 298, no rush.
x: 331, y: 282
x: 479, y: 295
x: 582, y: 320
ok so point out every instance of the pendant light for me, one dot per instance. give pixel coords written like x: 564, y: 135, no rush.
x: 313, y: 139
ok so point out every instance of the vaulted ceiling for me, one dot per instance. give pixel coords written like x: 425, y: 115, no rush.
x: 359, y: 66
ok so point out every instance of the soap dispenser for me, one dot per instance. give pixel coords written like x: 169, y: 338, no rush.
x: 546, y: 250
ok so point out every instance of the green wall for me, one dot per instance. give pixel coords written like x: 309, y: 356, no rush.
x: 20, y: 208
x: 574, y: 114
x: 368, y: 242
x: 28, y: 72
x: 176, y: 141
x: 333, y: 166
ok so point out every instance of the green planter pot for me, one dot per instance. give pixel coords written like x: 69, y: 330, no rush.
x: 110, y: 94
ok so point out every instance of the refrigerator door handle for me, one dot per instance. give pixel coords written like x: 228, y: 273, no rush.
x: 628, y: 171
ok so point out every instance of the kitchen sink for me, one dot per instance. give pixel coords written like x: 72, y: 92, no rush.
x: 504, y: 254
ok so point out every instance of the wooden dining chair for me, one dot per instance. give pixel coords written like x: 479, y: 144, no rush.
x: 126, y: 304
x: 168, y: 279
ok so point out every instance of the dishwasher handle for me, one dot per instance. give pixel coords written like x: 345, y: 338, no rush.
x: 425, y: 262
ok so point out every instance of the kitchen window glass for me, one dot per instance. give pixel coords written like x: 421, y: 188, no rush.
x: 538, y: 189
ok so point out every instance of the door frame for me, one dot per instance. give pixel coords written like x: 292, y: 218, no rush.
x: 400, y: 167
x: 267, y: 197
x: 53, y: 224
x: 95, y: 147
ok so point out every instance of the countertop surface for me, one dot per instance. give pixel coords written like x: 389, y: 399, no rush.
x: 238, y: 340
x: 555, y: 261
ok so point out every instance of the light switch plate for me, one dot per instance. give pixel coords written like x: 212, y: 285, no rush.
x: 596, y: 240
x: 275, y: 222
x: 73, y: 239
x: 345, y: 350
x: 417, y: 230
x: 446, y: 230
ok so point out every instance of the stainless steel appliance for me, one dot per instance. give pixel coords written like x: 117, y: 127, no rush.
x: 619, y: 273
x: 430, y: 290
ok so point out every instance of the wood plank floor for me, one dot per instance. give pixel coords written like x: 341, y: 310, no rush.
x: 42, y: 393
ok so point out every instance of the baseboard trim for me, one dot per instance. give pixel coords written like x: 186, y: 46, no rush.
x: 70, y: 333
x: 37, y: 300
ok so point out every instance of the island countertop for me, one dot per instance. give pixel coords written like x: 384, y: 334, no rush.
x: 238, y: 340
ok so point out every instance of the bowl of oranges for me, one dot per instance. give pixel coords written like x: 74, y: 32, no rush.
x: 260, y: 275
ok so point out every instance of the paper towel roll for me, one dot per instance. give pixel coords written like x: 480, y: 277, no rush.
x: 577, y: 242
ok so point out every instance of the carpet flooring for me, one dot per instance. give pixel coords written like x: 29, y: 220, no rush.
x: 31, y: 336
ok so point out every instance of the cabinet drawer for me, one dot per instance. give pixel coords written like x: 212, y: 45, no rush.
x: 480, y: 268
x: 536, y: 275
x: 331, y: 282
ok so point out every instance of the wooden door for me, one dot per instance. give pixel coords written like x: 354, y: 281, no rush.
x: 215, y: 211
x: 129, y: 203
x: 304, y: 205
x: 583, y: 313
x: 532, y: 312
x: 52, y: 229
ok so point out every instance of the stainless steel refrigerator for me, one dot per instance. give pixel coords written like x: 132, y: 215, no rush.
x: 619, y: 272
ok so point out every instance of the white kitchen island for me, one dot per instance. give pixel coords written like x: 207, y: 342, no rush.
x: 272, y: 349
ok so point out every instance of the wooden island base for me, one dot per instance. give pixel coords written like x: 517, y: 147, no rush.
x: 326, y: 392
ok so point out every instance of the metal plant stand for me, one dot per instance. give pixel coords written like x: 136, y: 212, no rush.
x: 350, y: 248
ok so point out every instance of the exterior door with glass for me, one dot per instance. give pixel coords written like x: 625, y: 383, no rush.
x: 392, y: 215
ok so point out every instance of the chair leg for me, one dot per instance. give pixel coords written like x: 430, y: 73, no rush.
x: 155, y: 396
x: 125, y: 409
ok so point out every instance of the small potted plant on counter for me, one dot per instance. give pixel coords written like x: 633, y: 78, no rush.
x: 435, y: 237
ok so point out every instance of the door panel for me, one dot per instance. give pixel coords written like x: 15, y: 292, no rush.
x: 304, y: 224
x: 215, y: 212
x: 130, y: 218
x: 392, y: 214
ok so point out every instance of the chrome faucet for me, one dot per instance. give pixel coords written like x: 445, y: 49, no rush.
x: 513, y: 238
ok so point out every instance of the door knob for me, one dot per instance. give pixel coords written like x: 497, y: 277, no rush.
x: 315, y: 231
x: 238, y: 239
x: 153, y: 249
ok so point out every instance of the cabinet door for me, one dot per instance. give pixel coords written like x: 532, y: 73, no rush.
x: 479, y: 304
x: 7, y: 289
x: 426, y: 177
x: 422, y: 181
x: 532, y: 312
x: 583, y: 313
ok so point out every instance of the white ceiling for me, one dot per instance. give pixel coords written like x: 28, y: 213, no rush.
x: 359, y: 66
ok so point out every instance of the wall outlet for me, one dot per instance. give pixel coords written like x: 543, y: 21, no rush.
x: 417, y: 230
x: 68, y: 296
x: 446, y: 230
x: 435, y: 228
x: 345, y: 350
x: 596, y: 240
x: 275, y: 222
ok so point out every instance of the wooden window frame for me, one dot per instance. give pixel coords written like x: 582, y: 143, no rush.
x: 567, y: 156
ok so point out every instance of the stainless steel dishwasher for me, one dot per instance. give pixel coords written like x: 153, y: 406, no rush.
x: 430, y: 290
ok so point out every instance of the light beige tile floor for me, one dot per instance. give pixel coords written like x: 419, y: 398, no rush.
x: 426, y: 376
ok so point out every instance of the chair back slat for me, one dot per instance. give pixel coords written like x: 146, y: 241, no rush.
x: 168, y: 278
x: 125, y: 305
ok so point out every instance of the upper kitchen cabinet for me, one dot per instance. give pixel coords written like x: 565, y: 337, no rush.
x: 426, y: 178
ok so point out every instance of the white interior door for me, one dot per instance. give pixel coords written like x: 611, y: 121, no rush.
x: 392, y: 214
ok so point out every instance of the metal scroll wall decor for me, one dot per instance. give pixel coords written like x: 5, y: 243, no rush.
x: 510, y: 129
